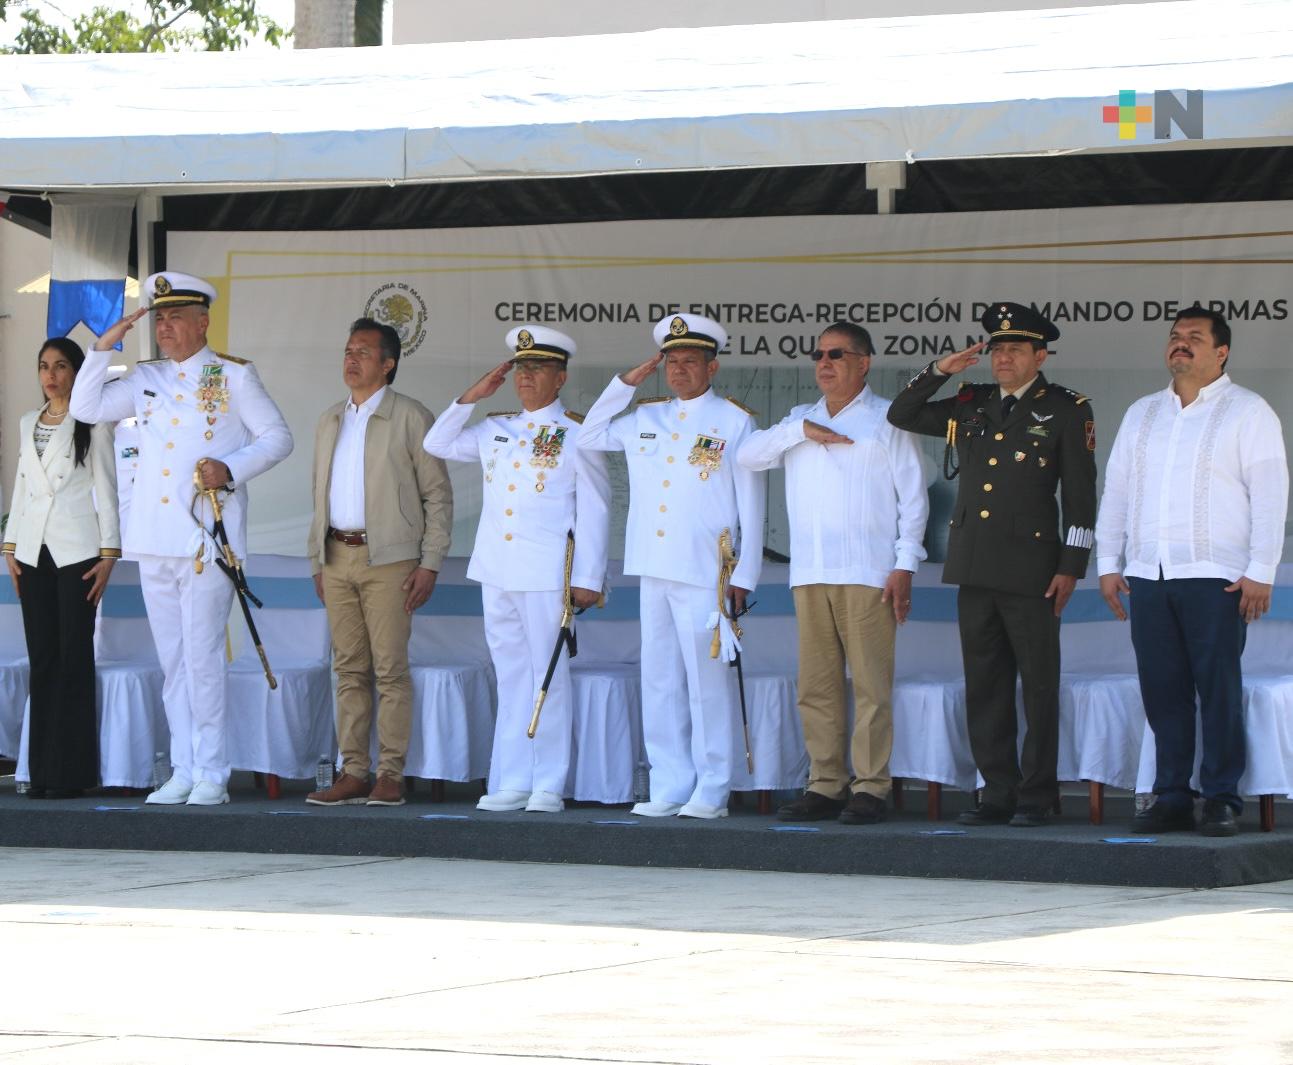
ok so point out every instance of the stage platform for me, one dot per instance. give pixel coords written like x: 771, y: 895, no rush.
x: 1071, y: 850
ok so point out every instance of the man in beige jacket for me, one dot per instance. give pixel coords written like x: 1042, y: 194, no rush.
x: 383, y: 512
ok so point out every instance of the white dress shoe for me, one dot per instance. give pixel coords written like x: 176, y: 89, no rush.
x: 699, y: 809
x: 545, y: 802
x: 502, y: 801
x: 174, y: 792
x: 205, y: 793
x: 656, y: 809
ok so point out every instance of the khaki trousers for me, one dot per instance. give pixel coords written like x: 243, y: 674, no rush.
x: 370, y: 640
x: 838, y: 624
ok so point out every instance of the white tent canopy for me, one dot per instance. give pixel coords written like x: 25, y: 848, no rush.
x: 931, y: 87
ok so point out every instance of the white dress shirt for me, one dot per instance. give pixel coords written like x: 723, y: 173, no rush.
x: 1200, y: 490
x: 346, y: 485
x: 857, y: 511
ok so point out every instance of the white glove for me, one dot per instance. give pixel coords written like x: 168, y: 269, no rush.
x: 729, y: 645
x: 203, y: 541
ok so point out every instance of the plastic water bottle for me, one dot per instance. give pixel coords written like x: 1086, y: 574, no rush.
x: 323, y: 773
x: 161, y: 769
x: 641, y: 782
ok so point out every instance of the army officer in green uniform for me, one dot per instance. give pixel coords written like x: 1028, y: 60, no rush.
x: 1014, y: 558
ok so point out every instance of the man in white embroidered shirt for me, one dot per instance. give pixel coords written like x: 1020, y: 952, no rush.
x: 857, y: 503
x: 1192, y: 517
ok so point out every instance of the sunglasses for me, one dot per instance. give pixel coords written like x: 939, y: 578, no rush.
x: 833, y: 354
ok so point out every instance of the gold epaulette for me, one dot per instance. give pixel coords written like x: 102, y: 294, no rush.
x: 575, y: 417
x: 233, y: 358
x: 742, y: 406
x: 654, y: 399
x: 502, y: 414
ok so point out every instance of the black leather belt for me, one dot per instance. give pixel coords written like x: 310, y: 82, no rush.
x: 350, y: 537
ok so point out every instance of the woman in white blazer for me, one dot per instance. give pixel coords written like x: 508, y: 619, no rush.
x: 61, y: 541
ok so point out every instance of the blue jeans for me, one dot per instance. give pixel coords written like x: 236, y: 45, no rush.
x: 1189, y: 636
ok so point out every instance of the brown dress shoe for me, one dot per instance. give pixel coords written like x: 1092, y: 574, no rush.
x: 388, y: 791
x: 347, y: 791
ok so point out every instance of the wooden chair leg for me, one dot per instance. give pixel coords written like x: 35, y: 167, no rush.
x: 934, y: 801
x: 897, y: 793
x: 1096, y: 790
x: 1266, y: 804
x: 437, y: 791
x: 273, y: 789
x: 764, y: 802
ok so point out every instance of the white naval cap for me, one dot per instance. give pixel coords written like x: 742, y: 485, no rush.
x: 170, y: 288
x: 689, y: 331
x: 539, y: 342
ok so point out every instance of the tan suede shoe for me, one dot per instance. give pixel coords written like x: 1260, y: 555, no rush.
x: 347, y: 791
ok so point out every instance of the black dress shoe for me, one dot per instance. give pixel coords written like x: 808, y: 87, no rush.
x: 65, y: 793
x: 1164, y: 817
x: 1218, y: 819
x: 863, y: 809
x: 811, y: 806
x: 986, y: 814
x: 1031, y: 817
x: 35, y: 793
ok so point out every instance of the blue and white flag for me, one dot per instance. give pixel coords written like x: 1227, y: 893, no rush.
x: 91, y: 252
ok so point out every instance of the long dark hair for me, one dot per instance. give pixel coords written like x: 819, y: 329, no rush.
x: 71, y: 351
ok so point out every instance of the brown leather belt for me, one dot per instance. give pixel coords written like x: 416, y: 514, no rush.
x: 352, y: 537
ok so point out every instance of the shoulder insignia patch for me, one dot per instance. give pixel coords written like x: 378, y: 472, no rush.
x: 741, y: 406
x: 654, y: 399
x: 233, y: 358
x: 1077, y: 397
x: 502, y: 414
x: 575, y: 417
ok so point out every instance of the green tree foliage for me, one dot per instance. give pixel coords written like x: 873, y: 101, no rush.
x: 170, y: 25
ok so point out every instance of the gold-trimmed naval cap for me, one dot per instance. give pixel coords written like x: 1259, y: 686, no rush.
x: 170, y: 288
x: 1014, y: 321
x: 540, y: 343
x: 689, y: 331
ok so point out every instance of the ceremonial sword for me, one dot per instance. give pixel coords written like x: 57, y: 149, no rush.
x: 229, y: 564
x: 726, y: 565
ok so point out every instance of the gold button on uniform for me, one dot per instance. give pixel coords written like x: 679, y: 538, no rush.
x: 529, y: 425
x: 669, y: 459
x: 666, y: 484
x: 987, y: 488
x: 659, y: 532
x: 181, y: 375
x: 508, y: 536
x: 508, y: 512
x: 511, y: 488
x: 208, y: 434
x: 663, y: 508
x: 1037, y: 536
x: 516, y: 465
x: 999, y: 436
x: 179, y: 397
x: 983, y: 513
x: 675, y: 436
x: 175, y: 421
x: 992, y: 462
x: 682, y: 414
x: 170, y: 444
x: 166, y: 473
x: 166, y: 499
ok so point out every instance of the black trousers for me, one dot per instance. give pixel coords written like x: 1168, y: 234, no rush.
x: 63, y: 736
x: 1004, y: 635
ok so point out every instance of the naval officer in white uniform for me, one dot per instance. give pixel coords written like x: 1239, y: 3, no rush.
x: 537, y: 487
x: 685, y: 489
x: 191, y: 405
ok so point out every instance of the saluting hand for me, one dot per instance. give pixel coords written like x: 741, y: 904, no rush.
x: 117, y: 332
x: 642, y: 371
x: 960, y: 360
x: 819, y: 433
x: 487, y: 385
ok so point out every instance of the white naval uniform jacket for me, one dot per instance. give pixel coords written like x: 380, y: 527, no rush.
x: 208, y: 406
x: 537, y: 486
x: 685, y: 485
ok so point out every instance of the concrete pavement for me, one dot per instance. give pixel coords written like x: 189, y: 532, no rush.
x: 143, y: 958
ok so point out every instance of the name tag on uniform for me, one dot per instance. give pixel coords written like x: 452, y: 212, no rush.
x: 646, y: 436
x: 147, y: 393
x: 500, y: 440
